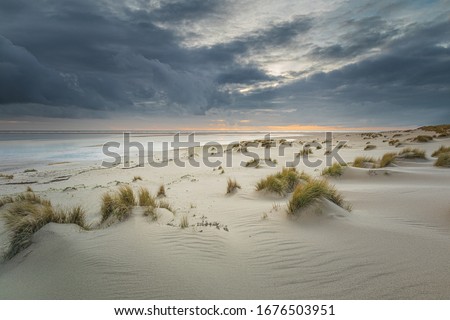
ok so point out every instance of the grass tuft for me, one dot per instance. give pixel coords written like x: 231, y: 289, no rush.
x: 232, y: 185
x: 335, y: 170
x: 307, y: 194
x: 137, y: 178
x: 387, y: 159
x: 443, y: 160
x: 184, y: 222
x: 282, y: 182
x: 166, y: 205
x: 370, y: 147
x: 441, y: 150
x: 363, y: 162
x: 161, y: 191
x: 118, y: 204
x: 423, y: 138
x: 145, y: 198
x: 409, y: 153
x: 27, y: 214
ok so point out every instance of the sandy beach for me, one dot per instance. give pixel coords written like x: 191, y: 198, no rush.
x: 394, y: 243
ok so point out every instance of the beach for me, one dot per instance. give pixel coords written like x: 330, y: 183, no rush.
x: 392, y: 240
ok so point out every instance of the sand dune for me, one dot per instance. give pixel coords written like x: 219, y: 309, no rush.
x: 395, y: 244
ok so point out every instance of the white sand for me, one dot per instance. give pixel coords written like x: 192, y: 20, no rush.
x: 395, y: 244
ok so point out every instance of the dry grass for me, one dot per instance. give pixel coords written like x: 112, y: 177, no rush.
x: 282, y: 182
x: 29, y: 170
x: 443, y: 160
x: 118, y: 204
x: 6, y: 176
x: 387, y: 159
x: 307, y: 194
x: 441, y: 150
x: 363, y: 162
x: 409, y: 153
x: 304, y: 152
x: 423, y: 138
x: 335, y: 170
x: 184, y: 222
x: 252, y: 163
x: 370, y: 147
x: 137, y: 178
x: 150, y: 211
x: 27, y: 214
x: 166, y: 205
x: 145, y: 198
x: 232, y: 185
x: 161, y: 191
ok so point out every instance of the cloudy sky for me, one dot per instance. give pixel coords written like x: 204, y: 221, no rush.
x: 198, y: 64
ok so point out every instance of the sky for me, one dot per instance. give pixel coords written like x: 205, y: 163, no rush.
x: 223, y: 65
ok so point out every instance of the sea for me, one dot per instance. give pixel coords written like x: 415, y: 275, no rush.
x: 34, y: 149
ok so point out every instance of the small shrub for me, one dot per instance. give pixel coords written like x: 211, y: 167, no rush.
x: 305, y: 195
x: 29, y: 189
x: 29, y: 170
x: 387, y: 159
x: 409, y: 153
x: 335, y: 170
x: 232, y: 185
x: 6, y: 176
x: 442, y: 149
x: 423, y: 138
x: 443, y: 160
x: 393, y: 142
x: 161, y: 191
x: 137, y: 178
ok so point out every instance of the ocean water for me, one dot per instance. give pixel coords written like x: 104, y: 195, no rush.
x: 35, y: 149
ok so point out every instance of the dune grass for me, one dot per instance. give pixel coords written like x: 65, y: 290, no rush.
x: 387, y: 159
x: 145, y: 199
x: 443, y: 160
x: 252, y: 163
x: 6, y: 176
x: 361, y: 162
x: 282, y: 182
x: 184, y: 222
x: 441, y: 150
x: 334, y: 170
x: 137, y: 178
x: 423, y: 138
x: 370, y: 147
x: 28, y: 213
x: 161, y: 191
x: 150, y: 211
x: 166, y: 205
x: 118, y: 204
x: 409, y: 153
x: 232, y: 185
x: 307, y: 194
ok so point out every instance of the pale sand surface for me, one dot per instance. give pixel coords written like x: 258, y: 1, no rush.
x: 395, y: 244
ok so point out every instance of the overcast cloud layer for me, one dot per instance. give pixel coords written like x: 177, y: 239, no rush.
x: 348, y: 63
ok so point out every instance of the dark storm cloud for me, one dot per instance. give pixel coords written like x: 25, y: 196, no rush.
x: 88, y: 58
x: 412, y: 74
x: 363, y: 35
x: 186, y: 10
